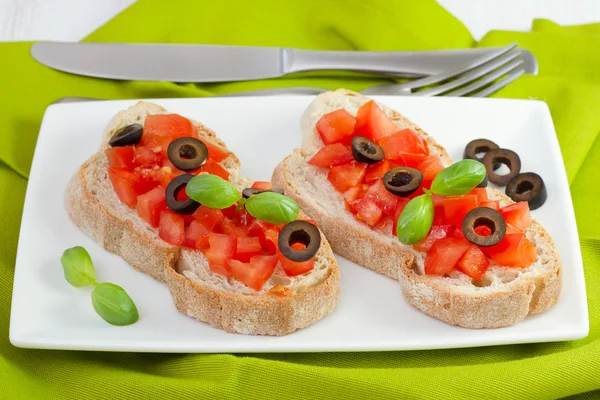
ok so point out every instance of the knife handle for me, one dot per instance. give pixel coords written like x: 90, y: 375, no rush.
x: 396, y: 63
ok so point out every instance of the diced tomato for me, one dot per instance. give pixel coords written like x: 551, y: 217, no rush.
x: 473, y: 263
x: 355, y: 193
x: 266, y: 233
x: 162, y: 176
x: 517, y: 215
x: 215, y: 152
x: 162, y: 129
x: 230, y: 211
x: 280, y: 290
x: 437, y: 200
x: 332, y: 155
x: 247, y: 247
x: 457, y: 232
x: 262, y: 185
x: 367, y: 211
x: 386, y: 225
x: 337, y: 126
x: 402, y: 202
x: 515, y: 250
x: 243, y: 218
x: 383, y: 198
x: 293, y: 268
x: 444, y: 254
x: 213, y: 167
x: 495, y: 204
x: 430, y: 167
x: 151, y: 204
x: 128, y: 185
x: 256, y: 273
x: 439, y: 216
x: 146, y: 157
x: 373, y: 123
x: 209, y: 217
x: 121, y: 157
x: 483, y: 230
x: 405, y: 145
x: 193, y: 233
x: 221, y: 249
x: 481, y: 193
x: 342, y: 177
x: 171, y: 228
x: 511, y: 229
x: 457, y: 207
x: 230, y: 227
x: 436, y: 232
x: 377, y: 171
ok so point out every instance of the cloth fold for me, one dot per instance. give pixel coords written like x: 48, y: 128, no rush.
x: 568, y: 82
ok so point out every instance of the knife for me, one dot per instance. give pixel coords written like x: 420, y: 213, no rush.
x: 212, y: 63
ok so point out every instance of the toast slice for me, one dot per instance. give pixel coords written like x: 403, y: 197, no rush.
x: 222, y: 302
x: 503, y: 297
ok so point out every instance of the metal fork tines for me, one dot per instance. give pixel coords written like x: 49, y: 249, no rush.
x: 491, y: 72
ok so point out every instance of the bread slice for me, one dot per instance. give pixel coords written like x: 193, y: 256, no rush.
x: 504, y: 295
x: 222, y: 302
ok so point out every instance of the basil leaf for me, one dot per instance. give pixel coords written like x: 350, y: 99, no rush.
x: 78, y: 267
x: 459, y: 178
x: 416, y: 219
x: 272, y: 207
x: 212, y: 191
x: 114, y: 305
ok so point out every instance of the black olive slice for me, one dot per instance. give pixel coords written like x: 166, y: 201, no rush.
x: 365, y: 150
x: 501, y: 156
x: 484, y: 216
x: 528, y: 187
x: 187, y: 153
x: 402, y: 181
x: 249, y: 192
x: 299, y: 232
x: 173, y: 188
x: 127, y: 136
x: 484, y: 182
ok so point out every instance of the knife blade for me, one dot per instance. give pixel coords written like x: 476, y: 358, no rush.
x: 214, y: 63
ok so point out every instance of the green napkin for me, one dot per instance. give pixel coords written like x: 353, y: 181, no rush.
x: 568, y: 82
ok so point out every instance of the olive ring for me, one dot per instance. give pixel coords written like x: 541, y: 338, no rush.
x: 187, y: 153
x: 127, y: 136
x: 173, y: 188
x: 299, y: 232
x: 484, y: 216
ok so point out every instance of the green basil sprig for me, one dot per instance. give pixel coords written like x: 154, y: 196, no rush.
x: 416, y: 219
x: 110, y: 301
x: 78, y: 267
x: 212, y: 191
x: 459, y: 178
x: 114, y: 305
x: 272, y: 207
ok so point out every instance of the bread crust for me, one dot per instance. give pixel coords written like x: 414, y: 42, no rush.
x: 262, y: 314
x: 435, y: 296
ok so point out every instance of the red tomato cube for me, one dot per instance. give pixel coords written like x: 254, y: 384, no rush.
x: 247, y: 247
x: 377, y: 171
x: 162, y: 129
x: 128, y: 185
x: 209, y: 217
x: 517, y: 215
x: 196, y: 236
x: 436, y: 232
x: 342, y: 177
x: 355, y: 193
x: 215, y: 152
x: 293, y: 268
x: 481, y: 193
x: 146, y: 157
x: 332, y: 155
x: 221, y: 249
x: 444, y: 254
x: 405, y: 145
x: 337, y: 126
x: 230, y: 227
x: 214, y: 168
x: 120, y: 157
x: 262, y: 185
x: 367, y: 211
x: 256, y: 273
x: 430, y: 167
x: 495, y: 204
x: 267, y: 234
x: 457, y: 207
x: 382, y: 197
x: 171, y: 228
x: 473, y: 263
x: 386, y: 225
x: 151, y: 204
x: 373, y: 123
x: 515, y: 250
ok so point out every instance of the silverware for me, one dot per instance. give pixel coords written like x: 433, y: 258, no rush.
x: 491, y: 72
x: 208, y: 63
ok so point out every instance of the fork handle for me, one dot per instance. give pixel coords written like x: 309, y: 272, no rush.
x: 397, y: 63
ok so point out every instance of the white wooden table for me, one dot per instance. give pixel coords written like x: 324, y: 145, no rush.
x: 71, y: 20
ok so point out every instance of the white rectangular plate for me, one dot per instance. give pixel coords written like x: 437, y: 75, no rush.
x: 372, y: 314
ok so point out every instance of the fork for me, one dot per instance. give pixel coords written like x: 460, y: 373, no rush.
x: 492, y: 72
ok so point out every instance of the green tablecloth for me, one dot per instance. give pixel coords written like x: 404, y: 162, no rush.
x: 569, y: 81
